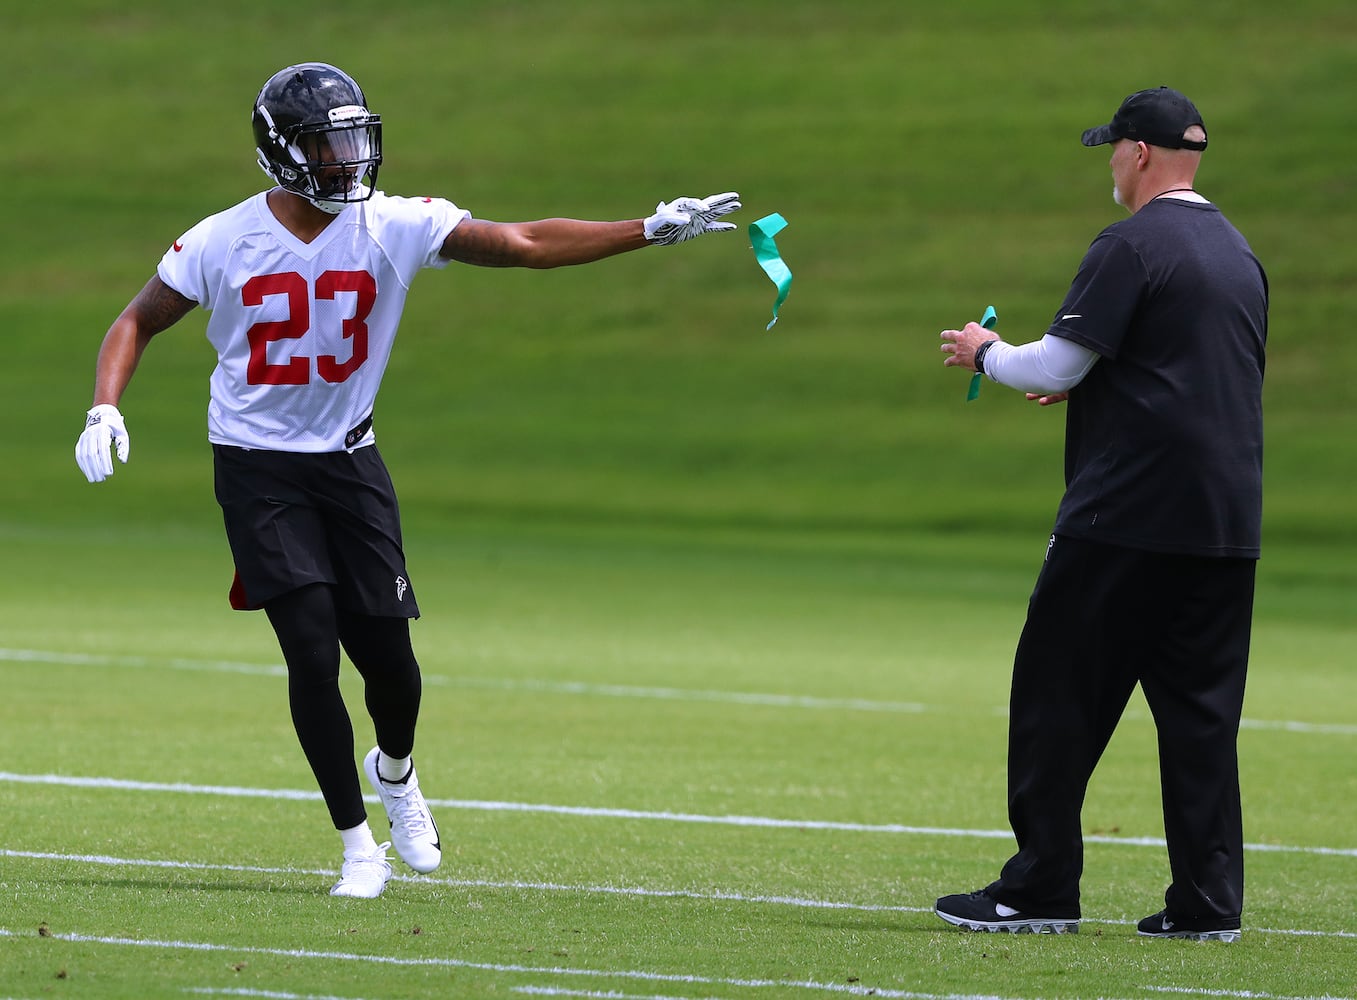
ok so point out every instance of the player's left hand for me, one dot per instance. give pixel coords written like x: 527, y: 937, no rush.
x: 684, y: 218
x: 104, y: 429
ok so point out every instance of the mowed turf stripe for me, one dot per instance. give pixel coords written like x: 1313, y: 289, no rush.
x: 583, y: 688
x: 641, y: 975
x: 848, y: 989
x: 458, y: 883
x: 530, y: 685
x: 597, y: 890
x: 766, y: 822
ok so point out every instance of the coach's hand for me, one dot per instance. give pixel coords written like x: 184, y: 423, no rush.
x: 684, y: 218
x: 104, y: 429
x: 1048, y: 398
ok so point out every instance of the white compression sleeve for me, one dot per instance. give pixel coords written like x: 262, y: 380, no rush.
x: 1051, y: 364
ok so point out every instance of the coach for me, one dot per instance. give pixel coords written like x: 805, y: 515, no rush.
x: 1149, y: 575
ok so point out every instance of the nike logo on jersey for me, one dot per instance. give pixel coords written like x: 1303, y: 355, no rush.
x: 1073, y: 316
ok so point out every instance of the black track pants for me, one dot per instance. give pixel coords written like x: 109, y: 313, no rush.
x: 1101, y: 620
x: 310, y: 631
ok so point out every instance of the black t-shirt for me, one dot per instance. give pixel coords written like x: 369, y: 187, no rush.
x: 1164, y: 436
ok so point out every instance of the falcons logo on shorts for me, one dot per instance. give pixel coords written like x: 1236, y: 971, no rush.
x: 401, y: 587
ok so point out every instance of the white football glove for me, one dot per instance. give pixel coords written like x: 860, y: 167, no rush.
x: 104, y: 429
x: 684, y: 218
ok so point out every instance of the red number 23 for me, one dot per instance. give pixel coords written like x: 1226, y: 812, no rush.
x: 297, y: 369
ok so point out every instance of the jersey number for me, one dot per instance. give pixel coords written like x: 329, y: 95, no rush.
x: 297, y: 370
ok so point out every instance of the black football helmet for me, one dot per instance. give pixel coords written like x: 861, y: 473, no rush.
x: 315, y: 136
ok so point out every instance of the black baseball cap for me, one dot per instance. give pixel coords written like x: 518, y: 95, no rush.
x: 1156, y: 117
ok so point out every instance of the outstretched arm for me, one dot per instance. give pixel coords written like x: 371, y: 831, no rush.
x: 549, y: 243
x: 560, y: 242
x: 155, y: 308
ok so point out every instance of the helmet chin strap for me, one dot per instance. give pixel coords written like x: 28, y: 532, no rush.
x: 335, y: 207
x: 264, y: 165
x: 324, y: 204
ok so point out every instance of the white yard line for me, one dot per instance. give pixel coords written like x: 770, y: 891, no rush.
x: 553, y: 991
x: 522, y: 886
x: 641, y: 975
x: 685, y: 694
x: 598, y: 812
x: 208, y: 991
x: 457, y: 883
x: 549, y: 991
x: 1196, y: 991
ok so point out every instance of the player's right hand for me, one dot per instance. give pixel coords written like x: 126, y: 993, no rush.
x: 104, y: 429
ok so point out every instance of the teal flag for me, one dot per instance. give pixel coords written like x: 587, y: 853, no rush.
x: 987, y: 321
x: 761, y: 235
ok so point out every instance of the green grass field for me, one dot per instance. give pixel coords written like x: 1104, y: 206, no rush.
x: 718, y: 620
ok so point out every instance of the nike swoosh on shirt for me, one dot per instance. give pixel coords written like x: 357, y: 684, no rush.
x: 1073, y: 316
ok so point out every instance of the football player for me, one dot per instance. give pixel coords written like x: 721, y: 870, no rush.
x: 305, y: 284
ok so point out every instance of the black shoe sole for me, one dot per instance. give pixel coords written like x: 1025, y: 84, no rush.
x: 1227, y: 936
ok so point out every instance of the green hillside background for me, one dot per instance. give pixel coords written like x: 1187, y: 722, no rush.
x: 925, y: 156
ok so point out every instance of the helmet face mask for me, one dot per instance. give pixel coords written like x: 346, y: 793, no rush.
x: 315, y: 136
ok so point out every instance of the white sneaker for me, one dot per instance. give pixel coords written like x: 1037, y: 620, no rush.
x: 363, y: 876
x: 412, y: 827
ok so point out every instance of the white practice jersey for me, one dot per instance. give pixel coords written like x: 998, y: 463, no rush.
x: 303, y: 331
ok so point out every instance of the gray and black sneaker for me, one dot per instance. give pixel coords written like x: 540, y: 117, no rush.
x: 979, y: 911
x: 1164, y: 925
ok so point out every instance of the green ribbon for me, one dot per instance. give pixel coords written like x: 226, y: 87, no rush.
x: 761, y: 235
x: 987, y: 321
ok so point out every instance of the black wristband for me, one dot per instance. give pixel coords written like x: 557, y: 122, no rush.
x: 980, y: 353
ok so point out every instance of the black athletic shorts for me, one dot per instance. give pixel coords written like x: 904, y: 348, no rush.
x: 295, y: 518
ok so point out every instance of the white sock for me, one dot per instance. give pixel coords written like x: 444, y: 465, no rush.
x: 358, y: 841
x: 392, y: 768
